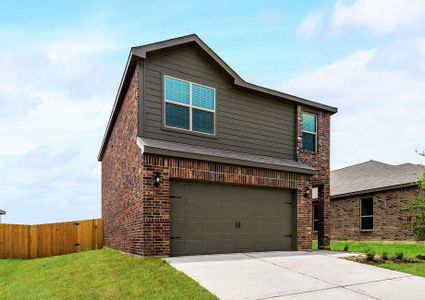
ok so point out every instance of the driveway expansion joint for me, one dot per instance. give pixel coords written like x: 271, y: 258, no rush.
x: 334, y: 286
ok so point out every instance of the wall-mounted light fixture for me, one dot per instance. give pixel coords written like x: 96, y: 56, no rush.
x: 307, y: 192
x: 156, y: 179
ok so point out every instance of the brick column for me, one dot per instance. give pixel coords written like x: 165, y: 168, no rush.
x: 156, y: 211
x: 304, y: 218
x: 323, y: 231
x: 320, y: 160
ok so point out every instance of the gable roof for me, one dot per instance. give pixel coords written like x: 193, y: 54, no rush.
x: 373, y: 176
x: 140, y: 52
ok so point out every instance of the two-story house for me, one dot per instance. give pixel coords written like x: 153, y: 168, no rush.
x: 195, y: 160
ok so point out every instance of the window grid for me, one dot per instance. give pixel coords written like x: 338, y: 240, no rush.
x: 190, y: 106
x: 311, y: 132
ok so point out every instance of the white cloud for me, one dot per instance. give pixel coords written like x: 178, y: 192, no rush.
x: 379, y: 16
x: 312, y: 24
x: 67, y: 48
x: 56, y: 95
x: 381, y: 106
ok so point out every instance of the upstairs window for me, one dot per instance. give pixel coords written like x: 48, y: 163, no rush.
x: 309, y: 125
x: 366, y: 214
x: 189, y: 106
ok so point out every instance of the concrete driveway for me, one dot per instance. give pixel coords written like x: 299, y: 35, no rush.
x: 296, y: 275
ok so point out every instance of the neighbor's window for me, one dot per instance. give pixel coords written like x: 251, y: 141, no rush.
x: 366, y: 214
x: 189, y: 106
x: 315, y: 217
x: 309, y: 123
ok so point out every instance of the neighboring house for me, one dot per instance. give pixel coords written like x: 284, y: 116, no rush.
x: 369, y: 201
x: 2, y: 212
x: 195, y: 160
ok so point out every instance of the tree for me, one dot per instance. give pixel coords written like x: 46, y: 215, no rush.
x: 418, y: 208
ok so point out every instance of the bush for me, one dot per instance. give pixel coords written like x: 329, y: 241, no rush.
x: 370, y: 255
x: 417, y: 208
x: 384, y: 255
x: 399, y: 255
x: 346, y: 248
x: 420, y: 256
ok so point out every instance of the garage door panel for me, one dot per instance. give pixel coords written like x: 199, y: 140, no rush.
x: 213, y: 218
x: 228, y: 207
x: 213, y: 226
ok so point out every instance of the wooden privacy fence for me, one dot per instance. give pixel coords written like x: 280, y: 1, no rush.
x: 31, y: 241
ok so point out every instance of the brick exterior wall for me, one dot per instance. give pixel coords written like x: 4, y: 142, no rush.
x: 320, y: 160
x: 391, y: 217
x: 176, y: 168
x: 137, y: 214
x: 122, y: 178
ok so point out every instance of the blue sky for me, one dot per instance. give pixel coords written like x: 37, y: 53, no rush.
x: 61, y: 63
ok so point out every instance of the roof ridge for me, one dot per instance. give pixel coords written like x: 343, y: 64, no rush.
x: 167, y: 40
x: 357, y: 164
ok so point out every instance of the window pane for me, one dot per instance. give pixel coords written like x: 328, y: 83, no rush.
x: 309, y: 122
x: 202, y: 97
x: 315, y: 225
x: 315, y: 211
x: 367, y: 223
x: 202, y: 121
x: 367, y: 207
x: 309, y: 141
x: 177, y: 116
x: 176, y: 90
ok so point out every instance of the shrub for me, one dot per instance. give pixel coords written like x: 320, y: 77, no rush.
x: 384, y: 255
x: 399, y: 255
x: 420, y: 256
x: 346, y: 248
x: 417, y: 208
x: 370, y: 255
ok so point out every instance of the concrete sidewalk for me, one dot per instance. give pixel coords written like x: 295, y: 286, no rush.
x: 296, y: 275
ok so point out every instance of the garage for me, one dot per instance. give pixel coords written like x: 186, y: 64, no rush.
x: 212, y: 218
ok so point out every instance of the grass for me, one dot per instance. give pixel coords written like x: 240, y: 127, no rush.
x: 412, y: 268
x: 410, y: 250
x: 98, y: 274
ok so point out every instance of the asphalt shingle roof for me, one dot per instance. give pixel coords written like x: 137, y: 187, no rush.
x: 227, y: 156
x: 373, y: 175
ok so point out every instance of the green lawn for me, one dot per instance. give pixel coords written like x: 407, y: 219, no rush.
x: 409, y: 251
x: 98, y: 274
x: 412, y: 268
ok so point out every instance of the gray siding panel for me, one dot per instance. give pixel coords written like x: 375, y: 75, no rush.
x: 246, y: 122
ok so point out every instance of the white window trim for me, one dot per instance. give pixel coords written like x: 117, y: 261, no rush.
x: 190, y: 106
x: 365, y: 216
x: 310, y: 132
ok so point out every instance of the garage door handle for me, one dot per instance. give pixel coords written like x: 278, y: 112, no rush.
x: 175, y: 237
x: 288, y: 235
x: 237, y: 224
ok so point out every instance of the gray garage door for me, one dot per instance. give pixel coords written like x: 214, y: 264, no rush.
x: 210, y: 218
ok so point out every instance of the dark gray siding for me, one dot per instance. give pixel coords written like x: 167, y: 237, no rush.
x: 245, y: 122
